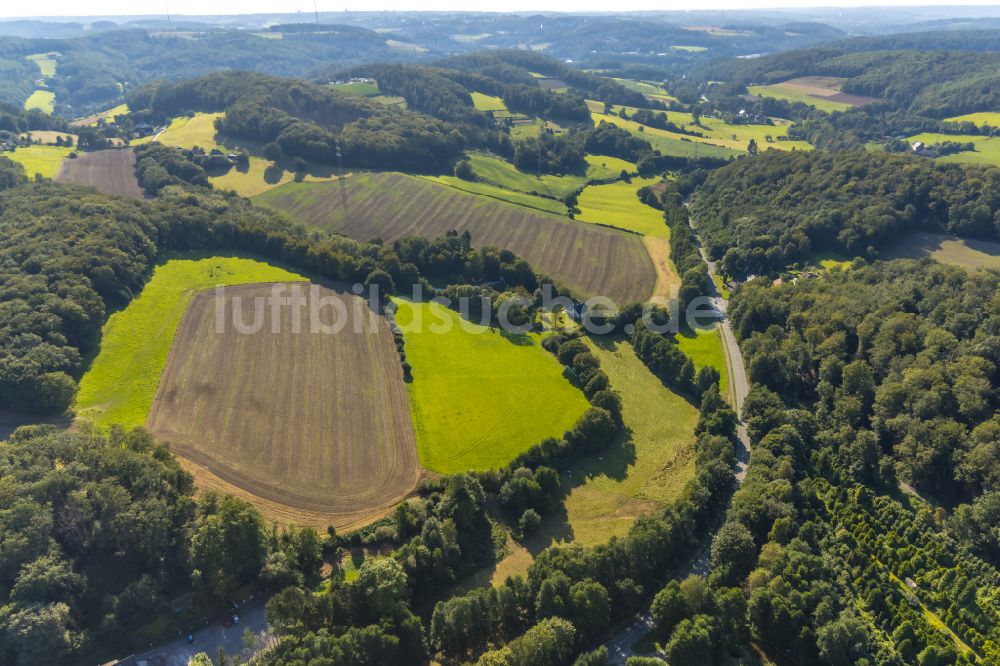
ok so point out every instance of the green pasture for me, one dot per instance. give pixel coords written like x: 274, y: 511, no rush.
x: 704, y: 347
x: 43, y: 100
x: 480, y: 397
x: 987, y: 148
x: 36, y: 158
x: 780, y: 91
x: 617, y: 205
x: 991, y: 118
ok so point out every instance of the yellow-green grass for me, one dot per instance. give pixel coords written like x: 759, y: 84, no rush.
x: 43, y: 100
x: 501, y: 194
x: 987, y: 149
x: 184, y: 132
x: 605, y: 167
x: 991, y: 118
x: 643, y: 87
x: 484, y: 102
x: 260, y: 176
x: 44, y: 160
x: 110, y: 114
x: 689, y: 49
x: 703, y: 346
x: 643, y: 474
x: 964, y: 253
x: 617, y: 205
x: 47, y: 137
x: 357, y: 88
x: 790, y: 94
x: 120, y: 385
x: 668, y: 143
x: 479, y: 397
x: 46, y: 63
x: 830, y: 261
x: 715, y: 130
x: 503, y: 173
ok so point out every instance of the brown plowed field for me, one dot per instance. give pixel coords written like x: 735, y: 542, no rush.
x: 589, y: 259
x: 110, y: 171
x: 312, y: 427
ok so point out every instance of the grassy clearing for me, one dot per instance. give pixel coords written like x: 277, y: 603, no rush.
x: 689, y: 49
x: 991, y: 118
x: 484, y: 102
x: 120, y: 385
x: 605, y: 167
x: 184, y: 132
x: 46, y: 64
x: 585, y: 258
x: 964, y: 253
x: 616, y: 204
x: 792, y: 94
x: 110, y: 114
x: 640, y: 475
x: 479, y: 398
x: 356, y: 88
x: 259, y: 177
x: 668, y: 143
x: 43, y: 100
x: 704, y: 347
x: 716, y: 131
x: 987, y: 148
x: 44, y: 160
x: 503, y: 173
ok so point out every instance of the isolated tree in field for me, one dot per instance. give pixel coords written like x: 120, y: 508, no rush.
x: 752, y: 147
x: 463, y: 170
x: 272, y: 151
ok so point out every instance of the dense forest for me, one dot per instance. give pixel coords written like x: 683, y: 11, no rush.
x: 869, y: 377
x: 309, y: 121
x: 760, y: 214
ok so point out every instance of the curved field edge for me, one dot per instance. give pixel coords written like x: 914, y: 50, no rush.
x: 121, y: 383
x: 480, y: 398
x: 312, y: 427
x: 642, y: 473
x: 587, y: 258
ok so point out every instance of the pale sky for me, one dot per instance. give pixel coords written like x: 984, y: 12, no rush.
x: 43, y: 8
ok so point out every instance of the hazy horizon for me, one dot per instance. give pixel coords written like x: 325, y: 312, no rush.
x: 67, y: 9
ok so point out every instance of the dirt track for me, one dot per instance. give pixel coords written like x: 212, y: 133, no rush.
x: 109, y: 171
x: 314, y: 428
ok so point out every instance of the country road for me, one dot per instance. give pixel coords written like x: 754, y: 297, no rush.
x: 620, y: 646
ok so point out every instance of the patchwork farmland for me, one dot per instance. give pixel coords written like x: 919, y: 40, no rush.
x: 822, y: 92
x: 314, y: 426
x: 587, y: 258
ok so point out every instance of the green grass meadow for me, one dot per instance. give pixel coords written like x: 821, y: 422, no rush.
x: 617, y: 205
x: 44, y: 160
x: 121, y: 383
x: 647, y: 471
x: 987, y: 148
x: 43, y: 100
x: 480, y: 398
x: 991, y: 118
x: 484, y: 102
x: 704, y: 347
x: 779, y: 91
x: 46, y: 64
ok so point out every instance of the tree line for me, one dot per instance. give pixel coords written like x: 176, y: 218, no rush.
x: 761, y: 214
